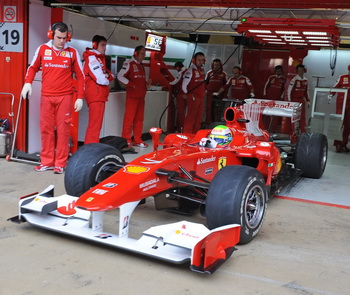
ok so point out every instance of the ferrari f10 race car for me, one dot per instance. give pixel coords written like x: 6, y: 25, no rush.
x: 226, y: 173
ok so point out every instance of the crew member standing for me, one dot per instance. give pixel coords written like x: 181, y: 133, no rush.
x: 58, y: 63
x: 194, y: 87
x: 215, y: 79
x: 343, y: 82
x: 97, y: 78
x: 298, y: 91
x: 274, y: 86
x: 241, y: 87
x: 179, y: 94
x: 274, y: 90
x: 133, y: 76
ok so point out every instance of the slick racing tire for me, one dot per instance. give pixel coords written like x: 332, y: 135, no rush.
x: 237, y: 195
x: 90, y: 165
x: 311, y: 154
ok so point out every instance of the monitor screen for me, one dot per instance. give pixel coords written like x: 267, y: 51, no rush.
x: 154, y: 42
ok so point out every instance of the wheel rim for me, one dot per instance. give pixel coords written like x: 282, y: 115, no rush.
x: 324, y: 158
x: 105, y: 170
x: 254, y: 209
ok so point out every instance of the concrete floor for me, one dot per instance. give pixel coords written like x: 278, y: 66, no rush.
x: 303, y: 248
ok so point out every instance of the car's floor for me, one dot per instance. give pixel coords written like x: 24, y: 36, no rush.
x: 303, y: 247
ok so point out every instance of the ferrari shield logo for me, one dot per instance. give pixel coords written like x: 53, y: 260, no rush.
x: 222, y: 162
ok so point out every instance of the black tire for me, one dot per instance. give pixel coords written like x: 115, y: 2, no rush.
x: 238, y: 195
x: 311, y: 154
x: 89, y: 166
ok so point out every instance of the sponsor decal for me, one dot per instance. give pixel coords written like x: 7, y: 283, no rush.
x: 47, y: 57
x: 264, y: 144
x: 99, y: 191
x: 103, y: 236
x: 208, y: 171
x: 135, y: 68
x: 196, y: 73
x: 270, y: 165
x: 187, y: 235
x: 206, y: 160
x: 41, y: 200
x: 110, y: 184
x: 89, y: 199
x: 65, y: 54
x: 222, y: 162
x: 50, y: 65
x: 125, y: 221
x: 182, y: 136
x: 149, y: 184
x: 48, y: 52
x: 131, y: 169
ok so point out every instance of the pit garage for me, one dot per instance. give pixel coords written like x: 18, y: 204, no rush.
x: 302, y: 246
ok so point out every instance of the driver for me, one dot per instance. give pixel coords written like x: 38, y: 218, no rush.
x: 220, y: 136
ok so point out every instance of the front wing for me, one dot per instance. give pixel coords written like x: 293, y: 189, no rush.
x: 178, y: 242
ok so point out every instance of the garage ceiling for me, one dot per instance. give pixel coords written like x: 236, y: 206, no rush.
x: 202, y: 17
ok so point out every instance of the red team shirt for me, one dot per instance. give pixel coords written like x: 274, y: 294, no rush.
x: 344, y: 82
x: 215, y: 80
x: 133, y: 76
x: 193, y: 81
x: 241, y: 87
x: 298, y: 89
x: 56, y: 70
x: 274, y: 87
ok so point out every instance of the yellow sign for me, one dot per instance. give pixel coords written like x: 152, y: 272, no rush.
x: 222, y: 162
x: 135, y: 169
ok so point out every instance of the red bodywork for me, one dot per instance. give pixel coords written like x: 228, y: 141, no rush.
x: 138, y: 179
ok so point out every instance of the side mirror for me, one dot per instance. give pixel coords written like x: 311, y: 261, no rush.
x: 155, y: 133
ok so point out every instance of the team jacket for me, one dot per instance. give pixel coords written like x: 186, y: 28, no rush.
x: 274, y: 87
x: 133, y: 76
x: 241, y: 87
x: 215, y: 80
x: 96, y: 82
x: 298, y: 89
x: 57, y: 68
x: 177, y: 83
x: 344, y: 82
x: 193, y: 81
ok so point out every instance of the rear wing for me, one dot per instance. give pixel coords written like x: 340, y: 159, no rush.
x: 278, y: 108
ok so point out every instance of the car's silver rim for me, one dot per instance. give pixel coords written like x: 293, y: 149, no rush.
x: 254, y: 208
x: 104, y: 171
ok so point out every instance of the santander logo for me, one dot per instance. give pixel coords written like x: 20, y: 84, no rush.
x: 206, y: 160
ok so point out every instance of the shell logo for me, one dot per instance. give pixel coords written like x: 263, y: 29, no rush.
x: 178, y: 232
x: 135, y: 169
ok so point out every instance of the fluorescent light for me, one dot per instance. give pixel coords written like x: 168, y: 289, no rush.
x: 315, y: 33
x: 300, y: 40
x: 287, y: 32
x: 298, y: 43
x: 271, y: 39
x: 318, y: 44
x: 267, y: 36
x: 277, y: 42
x: 316, y: 37
x: 320, y: 41
x: 260, y: 31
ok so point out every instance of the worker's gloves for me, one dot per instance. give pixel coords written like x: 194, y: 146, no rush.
x: 27, y: 89
x: 252, y: 95
x: 78, y: 104
x: 216, y: 94
x: 208, y: 143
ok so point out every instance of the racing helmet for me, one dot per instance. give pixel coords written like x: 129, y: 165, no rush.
x: 222, y: 135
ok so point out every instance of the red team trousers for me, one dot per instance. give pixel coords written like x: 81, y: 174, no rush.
x: 133, y: 118
x: 55, y: 111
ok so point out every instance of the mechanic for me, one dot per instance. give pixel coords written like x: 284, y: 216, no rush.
x: 241, y: 87
x: 343, y: 82
x: 274, y: 90
x: 97, y: 78
x: 133, y: 76
x: 298, y: 91
x: 194, y: 87
x: 179, y: 95
x: 58, y: 62
x: 220, y: 136
x: 215, y: 79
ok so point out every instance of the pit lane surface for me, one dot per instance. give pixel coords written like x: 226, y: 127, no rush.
x: 303, y: 247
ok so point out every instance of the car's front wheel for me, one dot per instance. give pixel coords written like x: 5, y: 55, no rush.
x: 90, y: 165
x: 237, y: 195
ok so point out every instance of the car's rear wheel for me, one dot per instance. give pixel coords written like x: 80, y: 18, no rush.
x: 237, y: 195
x: 90, y: 165
x: 311, y: 154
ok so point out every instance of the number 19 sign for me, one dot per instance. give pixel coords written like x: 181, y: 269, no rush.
x: 11, y: 37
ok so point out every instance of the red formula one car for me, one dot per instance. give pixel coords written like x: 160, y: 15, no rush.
x: 227, y: 173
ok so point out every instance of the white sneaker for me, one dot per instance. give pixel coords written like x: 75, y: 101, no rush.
x: 58, y: 170
x: 141, y: 145
x: 42, y: 168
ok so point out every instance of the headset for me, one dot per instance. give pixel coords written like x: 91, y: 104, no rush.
x: 94, y: 45
x: 58, y: 25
